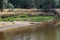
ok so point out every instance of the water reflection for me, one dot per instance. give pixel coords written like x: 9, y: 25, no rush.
x: 49, y: 33
x: 46, y: 33
x: 58, y: 33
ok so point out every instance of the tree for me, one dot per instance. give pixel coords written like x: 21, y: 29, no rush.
x: 7, y: 5
x: 1, y: 5
x: 48, y: 5
x: 4, y: 4
x: 37, y: 3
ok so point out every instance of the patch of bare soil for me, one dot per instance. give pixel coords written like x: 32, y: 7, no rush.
x: 24, y: 23
x: 27, y: 25
x: 7, y: 12
x: 15, y: 24
x: 21, y: 23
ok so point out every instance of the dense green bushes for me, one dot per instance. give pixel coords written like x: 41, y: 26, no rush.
x: 35, y: 3
x: 32, y: 3
x: 43, y: 4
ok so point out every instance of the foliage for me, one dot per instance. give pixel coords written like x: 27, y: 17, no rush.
x: 35, y: 3
x: 27, y: 18
x: 4, y: 4
x: 1, y: 5
x: 31, y: 3
x: 8, y: 5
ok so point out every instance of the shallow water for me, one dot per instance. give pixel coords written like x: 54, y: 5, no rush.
x: 49, y: 33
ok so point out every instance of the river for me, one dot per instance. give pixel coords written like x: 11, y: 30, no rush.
x: 46, y: 33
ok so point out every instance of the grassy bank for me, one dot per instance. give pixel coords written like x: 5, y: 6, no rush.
x: 27, y: 18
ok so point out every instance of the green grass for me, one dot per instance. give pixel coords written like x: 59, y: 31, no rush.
x: 27, y: 18
x: 42, y: 18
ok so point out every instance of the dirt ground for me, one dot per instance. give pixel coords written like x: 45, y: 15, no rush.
x: 8, y: 12
x: 4, y: 24
x: 22, y: 23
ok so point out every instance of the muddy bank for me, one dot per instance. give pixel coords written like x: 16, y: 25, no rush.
x: 31, y: 28
x: 28, y: 25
